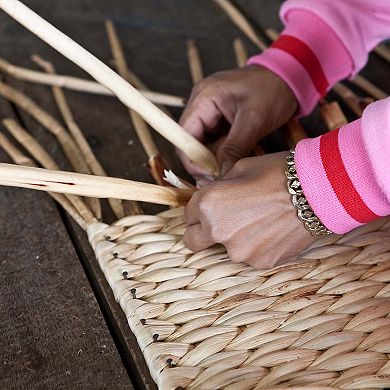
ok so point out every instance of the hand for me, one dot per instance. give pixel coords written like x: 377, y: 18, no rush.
x: 252, y: 100
x: 250, y: 212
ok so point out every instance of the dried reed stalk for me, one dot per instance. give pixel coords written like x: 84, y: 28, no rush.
x: 241, y: 22
x: 19, y: 158
x: 369, y: 87
x: 356, y: 103
x: 81, y: 85
x: 383, y: 51
x: 194, y: 61
x: 44, y: 159
x: 128, y: 95
x: 91, y: 186
x: 272, y: 34
x: 90, y: 158
x: 240, y: 52
x: 49, y: 123
x: 332, y: 115
x: 69, y: 147
x: 295, y: 132
x: 156, y: 163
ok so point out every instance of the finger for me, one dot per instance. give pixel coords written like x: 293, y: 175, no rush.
x: 196, y: 239
x: 193, y: 169
x: 243, y: 136
x: 191, y: 211
x: 201, y: 181
x: 201, y: 116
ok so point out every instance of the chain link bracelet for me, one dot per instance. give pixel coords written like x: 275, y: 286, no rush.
x: 305, y: 213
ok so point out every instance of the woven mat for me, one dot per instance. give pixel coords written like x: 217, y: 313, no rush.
x: 203, y: 322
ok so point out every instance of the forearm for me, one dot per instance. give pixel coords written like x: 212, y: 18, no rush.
x: 344, y: 174
x: 324, y: 42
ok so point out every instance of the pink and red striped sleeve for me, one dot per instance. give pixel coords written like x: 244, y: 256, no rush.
x: 344, y: 174
x: 324, y: 41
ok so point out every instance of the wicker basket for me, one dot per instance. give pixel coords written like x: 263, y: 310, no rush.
x: 203, y: 322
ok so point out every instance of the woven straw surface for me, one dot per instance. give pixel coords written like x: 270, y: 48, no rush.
x: 204, y: 322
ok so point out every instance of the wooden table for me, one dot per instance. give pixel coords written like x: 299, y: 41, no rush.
x: 59, y: 324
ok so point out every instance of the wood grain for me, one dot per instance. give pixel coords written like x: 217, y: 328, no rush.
x: 52, y: 333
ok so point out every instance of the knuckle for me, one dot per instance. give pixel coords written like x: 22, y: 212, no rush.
x: 234, y: 256
x: 216, y: 233
x: 199, y: 86
x: 241, y: 164
x: 205, y: 200
x: 232, y: 151
x: 187, y: 238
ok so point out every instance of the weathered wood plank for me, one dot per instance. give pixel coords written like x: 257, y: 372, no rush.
x: 52, y: 333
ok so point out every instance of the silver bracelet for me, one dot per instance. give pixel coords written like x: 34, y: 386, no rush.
x: 305, y: 213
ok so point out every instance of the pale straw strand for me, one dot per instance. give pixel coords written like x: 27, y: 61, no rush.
x: 69, y: 147
x: 19, y: 158
x: 81, y: 85
x: 63, y: 106
x: 45, y: 160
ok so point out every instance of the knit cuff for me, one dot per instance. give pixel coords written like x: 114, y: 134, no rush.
x: 338, y: 181
x: 308, y: 56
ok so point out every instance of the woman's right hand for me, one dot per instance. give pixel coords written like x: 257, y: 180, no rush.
x: 253, y: 100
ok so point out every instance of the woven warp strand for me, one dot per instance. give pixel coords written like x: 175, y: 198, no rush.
x: 203, y: 322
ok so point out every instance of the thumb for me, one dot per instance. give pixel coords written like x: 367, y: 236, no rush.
x: 242, y: 138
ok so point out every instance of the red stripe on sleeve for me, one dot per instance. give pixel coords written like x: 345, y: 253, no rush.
x: 340, y: 181
x: 306, y: 57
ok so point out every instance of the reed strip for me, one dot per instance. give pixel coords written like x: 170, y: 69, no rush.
x: 241, y: 22
x: 24, y: 102
x: 383, y: 51
x: 194, y: 61
x: 69, y: 147
x: 295, y: 132
x: 19, y: 158
x: 351, y: 99
x: 139, y: 124
x: 368, y: 87
x: 156, y: 162
x: 45, y: 160
x: 81, y: 85
x: 332, y: 115
x: 63, y: 106
x: 240, y: 52
x: 91, y: 186
x: 127, y: 94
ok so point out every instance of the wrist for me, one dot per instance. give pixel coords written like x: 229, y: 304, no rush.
x: 304, y: 211
x: 308, y: 56
x: 338, y: 181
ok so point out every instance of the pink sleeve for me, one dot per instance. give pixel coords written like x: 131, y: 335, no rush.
x: 345, y: 174
x: 324, y: 41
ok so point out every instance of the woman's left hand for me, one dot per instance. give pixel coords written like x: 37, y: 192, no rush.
x: 250, y: 212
